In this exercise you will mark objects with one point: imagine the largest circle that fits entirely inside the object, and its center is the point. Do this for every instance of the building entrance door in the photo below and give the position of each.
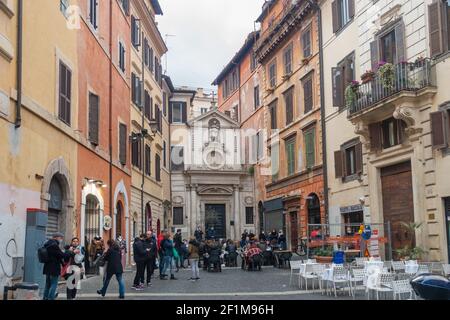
(215, 217)
(294, 230)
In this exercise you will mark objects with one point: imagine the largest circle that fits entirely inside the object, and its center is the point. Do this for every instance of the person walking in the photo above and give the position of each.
(114, 267)
(76, 267)
(52, 268)
(194, 256)
(160, 252)
(123, 249)
(149, 245)
(139, 254)
(167, 250)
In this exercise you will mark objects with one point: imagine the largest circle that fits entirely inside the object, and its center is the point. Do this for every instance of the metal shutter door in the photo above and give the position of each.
(53, 223)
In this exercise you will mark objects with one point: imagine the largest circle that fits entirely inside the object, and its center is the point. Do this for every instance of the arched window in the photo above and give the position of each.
(119, 217)
(54, 207)
(92, 219)
(313, 209)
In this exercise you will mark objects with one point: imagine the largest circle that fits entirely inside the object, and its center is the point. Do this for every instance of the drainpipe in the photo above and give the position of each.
(322, 109)
(18, 122)
(111, 210)
(144, 225)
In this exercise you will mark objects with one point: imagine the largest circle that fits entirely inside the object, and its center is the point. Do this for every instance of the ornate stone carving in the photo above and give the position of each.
(363, 130)
(215, 190)
(249, 200)
(177, 200)
(408, 115)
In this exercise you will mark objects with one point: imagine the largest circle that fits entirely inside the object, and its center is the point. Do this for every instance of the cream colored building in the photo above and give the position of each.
(39, 153)
(398, 172)
(150, 190)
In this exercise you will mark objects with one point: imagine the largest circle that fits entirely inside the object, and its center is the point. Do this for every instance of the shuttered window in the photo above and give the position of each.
(65, 92)
(290, 156)
(135, 32)
(289, 105)
(164, 154)
(136, 90)
(148, 161)
(147, 104)
(93, 13)
(273, 115)
(288, 60)
(308, 93)
(439, 134)
(343, 11)
(178, 215)
(158, 118)
(439, 27)
(93, 118)
(339, 164)
(178, 112)
(375, 136)
(158, 167)
(146, 52)
(306, 43)
(342, 76)
(136, 151)
(389, 46)
(125, 6)
(275, 161)
(122, 61)
(310, 147)
(256, 96)
(165, 104)
(123, 144)
(273, 74)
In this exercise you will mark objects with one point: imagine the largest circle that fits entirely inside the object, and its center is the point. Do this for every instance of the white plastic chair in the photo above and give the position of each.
(295, 265)
(309, 274)
(401, 287)
(319, 270)
(360, 261)
(423, 268)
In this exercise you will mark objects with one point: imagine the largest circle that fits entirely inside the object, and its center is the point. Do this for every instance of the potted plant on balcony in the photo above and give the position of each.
(386, 73)
(324, 255)
(351, 93)
(367, 76)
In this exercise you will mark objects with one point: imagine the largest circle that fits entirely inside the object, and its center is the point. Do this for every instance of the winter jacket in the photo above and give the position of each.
(198, 234)
(177, 240)
(167, 247)
(114, 258)
(149, 244)
(139, 251)
(193, 250)
(56, 257)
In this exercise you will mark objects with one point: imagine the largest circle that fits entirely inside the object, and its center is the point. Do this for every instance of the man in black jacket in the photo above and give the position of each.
(139, 254)
(150, 255)
(52, 268)
(178, 241)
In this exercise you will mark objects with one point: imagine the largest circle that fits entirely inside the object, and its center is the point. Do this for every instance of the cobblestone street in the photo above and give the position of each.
(230, 284)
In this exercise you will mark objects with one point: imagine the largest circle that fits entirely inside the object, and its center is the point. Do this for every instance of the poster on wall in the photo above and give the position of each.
(374, 244)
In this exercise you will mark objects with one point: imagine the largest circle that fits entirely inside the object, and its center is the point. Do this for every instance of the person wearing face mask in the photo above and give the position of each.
(76, 267)
(52, 268)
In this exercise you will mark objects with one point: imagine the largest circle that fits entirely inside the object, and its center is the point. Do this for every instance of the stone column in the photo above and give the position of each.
(237, 212)
(194, 209)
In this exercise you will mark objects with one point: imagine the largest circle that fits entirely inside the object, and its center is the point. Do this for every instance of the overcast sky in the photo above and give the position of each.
(206, 35)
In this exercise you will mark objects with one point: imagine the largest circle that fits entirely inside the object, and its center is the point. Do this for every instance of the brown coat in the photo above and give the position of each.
(193, 251)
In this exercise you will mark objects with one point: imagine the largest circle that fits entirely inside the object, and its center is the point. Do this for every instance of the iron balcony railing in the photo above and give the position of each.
(406, 77)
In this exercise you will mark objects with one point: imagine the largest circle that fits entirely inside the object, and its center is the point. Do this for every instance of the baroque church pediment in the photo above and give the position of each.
(215, 190)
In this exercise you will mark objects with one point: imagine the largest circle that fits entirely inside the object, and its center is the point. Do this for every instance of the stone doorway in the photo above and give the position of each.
(215, 216)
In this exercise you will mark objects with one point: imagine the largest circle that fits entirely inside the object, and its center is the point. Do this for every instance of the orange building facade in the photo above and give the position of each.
(279, 70)
(104, 176)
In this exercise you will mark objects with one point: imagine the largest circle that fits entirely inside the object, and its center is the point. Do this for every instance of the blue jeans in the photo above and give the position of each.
(119, 280)
(51, 284)
(167, 264)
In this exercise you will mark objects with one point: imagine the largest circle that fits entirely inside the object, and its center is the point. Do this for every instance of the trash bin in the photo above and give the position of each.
(24, 291)
(431, 287)
(338, 257)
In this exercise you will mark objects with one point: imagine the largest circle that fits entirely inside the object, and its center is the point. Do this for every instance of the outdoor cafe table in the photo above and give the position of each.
(277, 254)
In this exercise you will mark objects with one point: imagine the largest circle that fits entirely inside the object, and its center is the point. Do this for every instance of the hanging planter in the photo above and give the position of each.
(386, 73)
(367, 76)
(351, 93)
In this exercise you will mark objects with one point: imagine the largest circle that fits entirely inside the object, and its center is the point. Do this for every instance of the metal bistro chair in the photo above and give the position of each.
(398, 266)
(356, 276)
(384, 283)
(446, 270)
(340, 276)
(401, 287)
(295, 265)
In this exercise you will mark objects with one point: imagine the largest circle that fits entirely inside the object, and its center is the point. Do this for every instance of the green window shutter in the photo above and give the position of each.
(310, 148)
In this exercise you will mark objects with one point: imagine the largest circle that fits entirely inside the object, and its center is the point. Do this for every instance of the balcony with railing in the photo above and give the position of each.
(404, 78)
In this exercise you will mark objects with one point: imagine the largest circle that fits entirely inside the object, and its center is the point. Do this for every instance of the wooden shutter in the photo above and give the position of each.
(358, 158)
(375, 136)
(439, 138)
(351, 8)
(436, 28)
(339, 164)
(170, 111)
(65, 82)
(289, 106)
(147, 160)
(273, 116)
(123, 144)
(338, 86)
(400, 42)
(349, 74)
(93, 118)
(310, 148)
(158, 167)
(308, 94)
(336, 16)
(147, 105)
(184, 112)
(374, 54)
